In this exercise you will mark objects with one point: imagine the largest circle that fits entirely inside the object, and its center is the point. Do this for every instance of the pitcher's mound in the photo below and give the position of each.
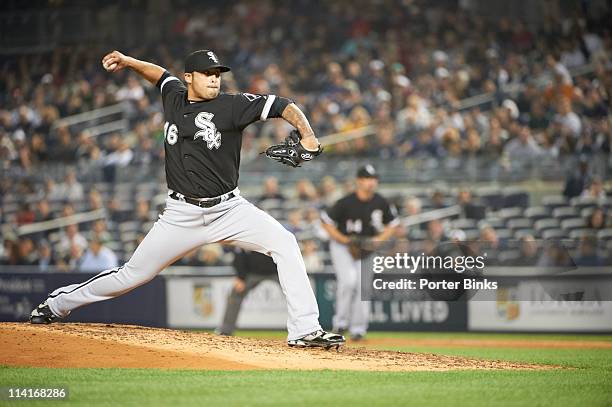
(126, 346)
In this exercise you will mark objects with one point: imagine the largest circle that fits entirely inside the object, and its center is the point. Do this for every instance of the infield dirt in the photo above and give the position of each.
(73, 345)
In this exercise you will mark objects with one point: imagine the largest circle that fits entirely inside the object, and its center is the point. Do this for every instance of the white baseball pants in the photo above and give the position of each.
(183, 227)
(351, 312)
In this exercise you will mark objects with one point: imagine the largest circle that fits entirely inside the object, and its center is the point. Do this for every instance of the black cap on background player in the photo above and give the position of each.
(367, 171)
(203, 60)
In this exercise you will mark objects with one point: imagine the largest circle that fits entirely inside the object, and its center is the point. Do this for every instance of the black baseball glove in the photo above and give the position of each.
(291, 151)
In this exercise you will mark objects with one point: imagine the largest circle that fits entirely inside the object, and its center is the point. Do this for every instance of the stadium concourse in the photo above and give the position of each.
(509, 122)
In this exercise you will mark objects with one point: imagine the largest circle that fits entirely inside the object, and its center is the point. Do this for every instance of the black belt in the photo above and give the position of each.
(207, 203)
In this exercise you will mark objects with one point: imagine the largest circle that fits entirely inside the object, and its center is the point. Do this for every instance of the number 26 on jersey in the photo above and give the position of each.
(171, 133)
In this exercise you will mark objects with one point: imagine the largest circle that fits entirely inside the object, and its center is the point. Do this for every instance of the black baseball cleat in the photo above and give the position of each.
(319, 339)
(357, 337)
(42, 314)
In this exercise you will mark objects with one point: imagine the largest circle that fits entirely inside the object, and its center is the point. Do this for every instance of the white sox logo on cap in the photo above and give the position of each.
(212, 56)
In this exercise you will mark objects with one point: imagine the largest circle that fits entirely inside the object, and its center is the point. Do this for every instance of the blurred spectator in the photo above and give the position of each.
(305, 190)
(435, 231)
(294, 221)
(595, 191)
(189, 259)
(529, 251)
(311, 256)
(10, 253)
(116, 213)
(437, 200)
(328, 190)
(312, 224)
(490, 244)
(412, 206)
(94, 200)
(45, 258)
(97, 258)
(271, 194)
(100, 233)
(141, 212)
(210, 255)
(597, 219)
(578, 180)
(25, 214)
(43, 211)
(555, 255)
(71, 259)
(523, 150)
(70, 237)
(567, 119)
(71, 189)
(52, 191)
(587, 253)
(67, 209)
(252, 268)
(26, 252)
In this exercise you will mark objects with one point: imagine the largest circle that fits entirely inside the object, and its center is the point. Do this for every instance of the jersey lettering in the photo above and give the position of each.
(209, 132)
(354, 226)
(377, 219)
(171, 133)
(250, 97)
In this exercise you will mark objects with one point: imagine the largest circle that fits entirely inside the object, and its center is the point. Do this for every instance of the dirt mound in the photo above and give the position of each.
(100, 345)
(490, 343)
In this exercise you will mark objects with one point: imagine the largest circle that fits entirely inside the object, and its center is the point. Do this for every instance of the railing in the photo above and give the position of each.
(513, 90)
(97, 122)
(60, 222)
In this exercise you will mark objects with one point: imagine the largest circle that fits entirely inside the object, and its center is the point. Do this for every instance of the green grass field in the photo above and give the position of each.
(585, 379)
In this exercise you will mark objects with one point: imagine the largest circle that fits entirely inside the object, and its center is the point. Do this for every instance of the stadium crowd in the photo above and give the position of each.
(410, 69)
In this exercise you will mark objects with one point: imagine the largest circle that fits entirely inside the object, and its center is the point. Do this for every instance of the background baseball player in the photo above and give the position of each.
(353, 223)
(252, 268)
(203, 135)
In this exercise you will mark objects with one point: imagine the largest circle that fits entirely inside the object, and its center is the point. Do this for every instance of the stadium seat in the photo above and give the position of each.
(573, 223)
(503, 233)
(553, 234)
(566, 212)
(519, 233)
(605, 234)
(475, 211)
(509, 213)
(536, 213)
(516, 198)
(554, 201)
(586, 212)
(519, 223)
(129, 226)
(494, 201)
(508, 257)
(463, 223)
(581, 203)
(579, 233)
(494, 222)
(471, 234)
(544, 224)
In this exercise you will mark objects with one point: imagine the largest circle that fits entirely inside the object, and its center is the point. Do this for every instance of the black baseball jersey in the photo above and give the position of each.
(364, 218)
(203, 139)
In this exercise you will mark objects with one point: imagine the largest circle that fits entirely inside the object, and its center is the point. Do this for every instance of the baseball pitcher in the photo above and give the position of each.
(203, 136)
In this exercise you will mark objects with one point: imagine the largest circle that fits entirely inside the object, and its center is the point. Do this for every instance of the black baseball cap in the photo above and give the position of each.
(203, 60)
(367, 171)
